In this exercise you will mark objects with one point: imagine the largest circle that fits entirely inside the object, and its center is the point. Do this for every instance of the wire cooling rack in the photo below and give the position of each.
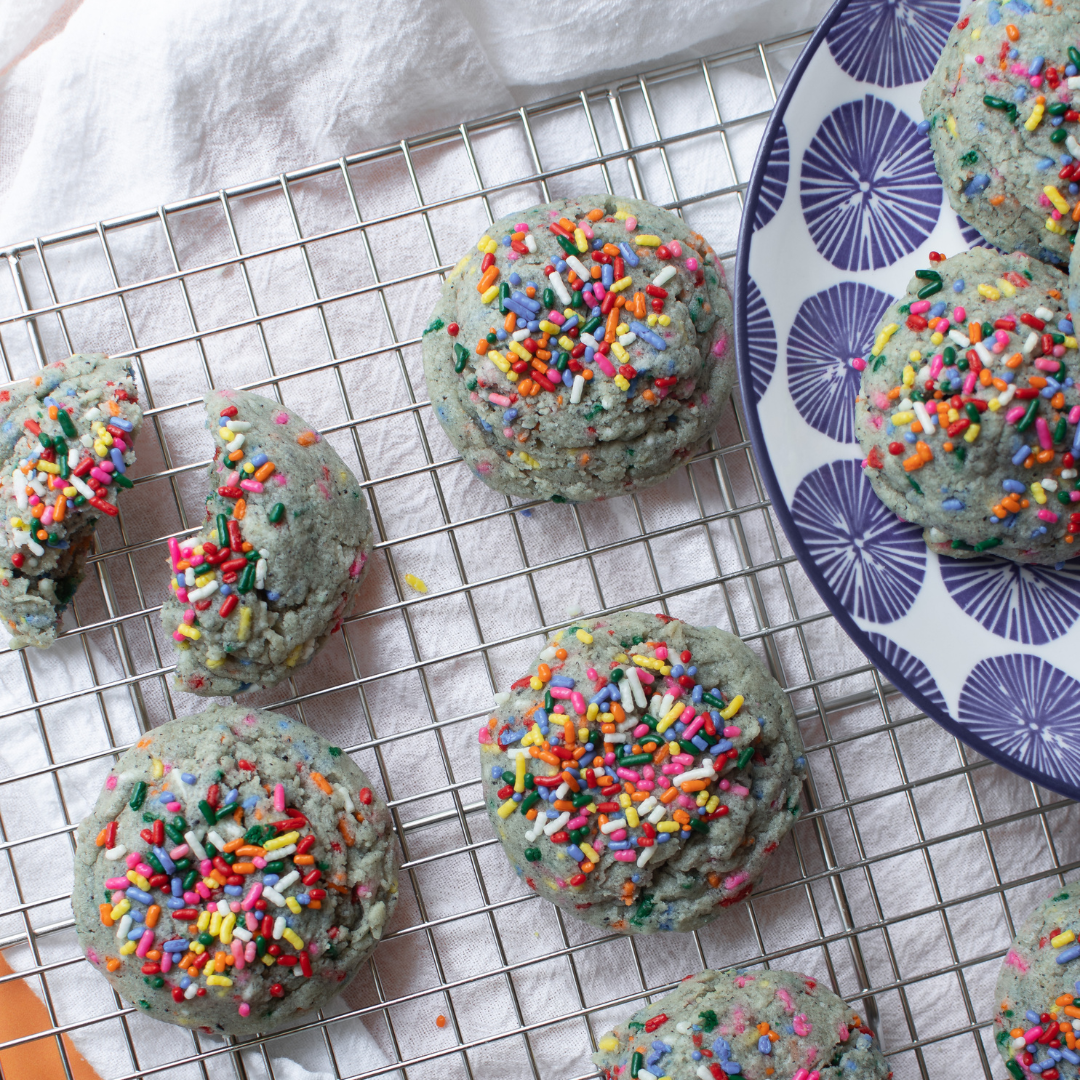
(914, 860)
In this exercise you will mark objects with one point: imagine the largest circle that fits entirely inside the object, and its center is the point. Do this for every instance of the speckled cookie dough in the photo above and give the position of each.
(756, 1025)
(1036, 1023)
(585, 349)
(236, 871)
(968, 414)
(1002, 123)
(277, 565)
(642, 772)
(65, 445)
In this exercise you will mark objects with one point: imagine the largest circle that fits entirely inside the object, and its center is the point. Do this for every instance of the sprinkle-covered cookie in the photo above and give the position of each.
(278, 563)
(584, 349)
(1037, 1021)
(1003, 122)
(236, 871)
(642, 772)
(66, 438)
(752, 1025)
(968, 413)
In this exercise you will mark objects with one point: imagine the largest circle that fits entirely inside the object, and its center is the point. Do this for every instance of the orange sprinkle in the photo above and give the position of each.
(561, 654)
(912, 463)
(152, 913)
(240, 509)
(105, 910)
(1012, 33)
(60, 508)
(99, 840)
(1037, 381)
(218, 876)
(346, 832)
(611, 324)
(307, 438)
(681, 816)
(595, 271)
(264, 472)
(571, 780)
(440, 1020)
(544, 672)
(487, 279)
(595, 215)
(321, 783)
(670, 795)
(996, 200)
(587, 374)
(694, 785)
(974, 332)
(530, 291)
(236, 455)
(1056, 402)
(947, 447)
(112, 963)
(482, 345)
(985, 378)
(250, 850)
(1014, 361)
(244, 867)
(300, 860)
(1043, 456)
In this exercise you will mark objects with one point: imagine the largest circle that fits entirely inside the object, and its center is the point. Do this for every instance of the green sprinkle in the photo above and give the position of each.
(1029, 417)
(175, 834)
(247, 582)
(1059, 108)
(152, 859)
(972, 413)
(66, 425)
(996, 102)
(549, 299)
(637, 1060)
(911, 481)
(570, 249)
(989, 542)
(558, 498)
(144, 1004)
(205, 938)
(462, 357)
(697, 825)
(708, 1020)
(576, 299)
(275, 867)
(532, 854)
(592, 324)
(745, 754)
(948, 354)
(644, 909)
(637, 759)
(138, 795)
(335, 751)
(1014, 1070)
(222, 531)
(929, 289)
(504, 295)
(261, 945)
(928, 275)
(190, 879)
(208, 812)
(435, 324)
(582, 799)
(1060, 430)
(1059, 136)
(277, 512)
(961, 545)
(530, 801)
(1074, 56)
(877, 361)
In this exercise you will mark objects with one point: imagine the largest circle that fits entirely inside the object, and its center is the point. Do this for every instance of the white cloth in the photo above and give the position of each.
(113, 106)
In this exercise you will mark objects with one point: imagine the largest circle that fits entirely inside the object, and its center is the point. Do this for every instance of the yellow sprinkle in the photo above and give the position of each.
(293, 938)
(415, 583)
(227, 925)
(519, 773)
(672, 715)
(243, 631)
(592, 711)
(993, 404)
(218, 980)
(70, 492)
(536, 683)
(157, 770)
(566, 342)
(548, 327)
(204, 579)
(101, 449)
(128, 948)
(653, 319)
(619, 351)
(951, 125)
(1070, 341)
(281, 841)
(972, 433)
(581, 241)
(589, 852)
(138, 880)
(203, 920)
(936, 338)
(605, 718)
(507, 808)
(482, 243)
(668, 826)
(622, 328)
(909, 375)
(622, 284)
(294, 905)
(902, 418)
(529, 460)
(49, 467)
(1055, 226)
(702, 798)
(190, 631)
(632, 818)
(883, 337)
(491, 247)
(196, 947)
(647, 240)
(225, 433)
(989, 292)
(489, 294)
(976, 33)
(213, 664)
(583, 732)
(621, 382)
(712, 804)
(1039, 493)
(498, 360)
(914, 356)
(733, 707)
(584, 637)
(518, 350)
(215, 923)
(625, 800)
(647, 662)
(1007, 287)
(664, 320)
(1032, 122)
(1062, 939)
(608, 1043)
(621, 215)
(121, 909)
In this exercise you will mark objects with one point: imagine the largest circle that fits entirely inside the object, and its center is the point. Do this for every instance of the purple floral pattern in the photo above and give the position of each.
(1029, 604)
(871, 560)
(760, 343)
(891, 42)
(830, 328)
(910, 667)
(869, 191)
(1028, 709)
(774, 180)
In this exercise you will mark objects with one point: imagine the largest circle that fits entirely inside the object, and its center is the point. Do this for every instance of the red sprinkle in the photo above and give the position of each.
(227, 605)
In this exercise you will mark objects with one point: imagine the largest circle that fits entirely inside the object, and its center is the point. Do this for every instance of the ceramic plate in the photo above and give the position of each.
(843, 206)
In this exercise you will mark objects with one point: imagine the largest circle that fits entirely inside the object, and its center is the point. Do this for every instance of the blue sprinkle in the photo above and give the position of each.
(1045, 163)
(1057, 121)
(628, 254)
(958, 285)
(1014, 486)
(117, 459)
(923, 127)
(138, 915)
(763, 1045)
(562, 680)
(506, 241)
(1021, 455)
(1036, 65)
(1070, 70)
(993, 15)
(271, 595)
(496, 772)
(509, 414)
(176, 886)
(938, 310)
(575, 853)
(952, 504)
(721, 1048)
(271, 879)
(250, 802)
(501, 334)
(231, 797)
(977, 185)
(176, 945)
(166, 797)
(1067, 955)
(136, 933)
(175, 903)
(163, 857)
(607, 275)
(1033, 1017)
(1073, 187)
(259, 459)
(1019, 94)
(132, 893)
(120, 422)
(234, 890)
(1071, 1056)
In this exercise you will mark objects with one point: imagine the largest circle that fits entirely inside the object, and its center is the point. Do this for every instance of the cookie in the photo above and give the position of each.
(750, 1024)
(1003, 124)
(236, 871)
(968, 413)
(642, 772)
(585, 349)
(1035, 1022)
(66, 440)
(278, 563)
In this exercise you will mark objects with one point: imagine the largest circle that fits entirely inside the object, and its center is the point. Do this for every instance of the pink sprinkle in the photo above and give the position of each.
(920, 306)
(279, 798)
(166, 963)
(118, 895)
(259, 861)
(191, 898)
(720, 346)
(92, 956)
(485, 735)
(499, 399)
(1074, 414)
(646, 785)
(641, 729)
(631, 223)
(252, 485)
(784, 995)
(692, 730)
(1036, 81)
(521, 227)
(560, 693)
(174, 551)
(243, 1008)
(959, 314)
(281, 418)
(556, 317)
(624, 856)
(858, 363)
(738, 789)
(132, 859)
(179, 852)
(576, 822)
(691, 264)
(735, 880)
(618, 835)
(732, 732)
(249, 950)
(674, 247)
(205, 867)
(237, 947)
(628, 774)
(189, 616)
(802, 1026)
(647, 678)
(578, 702)
(144, 944)
(1058, 350)
(202, 890)
(1014, 414)
(586, 228)
(1046, 440)
(969, 382)
(590, 297)
(1013, 959)
(117, 883)
(591, 674)
(980, 58)
(173, 807)
(251, 921)
(251, 719)
(110, 781)
(599, 292)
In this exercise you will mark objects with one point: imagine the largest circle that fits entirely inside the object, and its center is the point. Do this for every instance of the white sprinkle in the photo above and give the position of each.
(665, 706)
(562, 791)
(924, 419)
(191, 991)
(235, 445)
(664, 276)
(559, 286)
(616, 737)
(635, 686)
(548, 654)
(614, 825)
(1050, 485)
(1068, 474)
(1030, 342)
(1074, 84)
(985, 355)
(627, 339)
(260, 574)
(195, 845)
(215, 839)
(238, 425)
(1044, 313)
(576, 389)
(223, 907)
(578, 267)
(588, 339)
(703, 1071)
(281, 852)
(530, 242)
(1006, 395)
(242, 934)
(521, 335)
(647, 806)
(117, 851)
(961, 339)
(346, 800)
(642, 859)
(201, 594)
(123, 926)
(18, 478)
(279, 924)
(657, 815)
(73, 458)
(550, 829)
(290, 878)
(275, 898)
(83, 489)
(501, 698)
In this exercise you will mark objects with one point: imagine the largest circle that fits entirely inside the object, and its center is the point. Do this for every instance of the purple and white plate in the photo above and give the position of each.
(843, 206)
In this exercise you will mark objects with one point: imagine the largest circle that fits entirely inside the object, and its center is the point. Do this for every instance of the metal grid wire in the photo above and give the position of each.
(899, 883)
